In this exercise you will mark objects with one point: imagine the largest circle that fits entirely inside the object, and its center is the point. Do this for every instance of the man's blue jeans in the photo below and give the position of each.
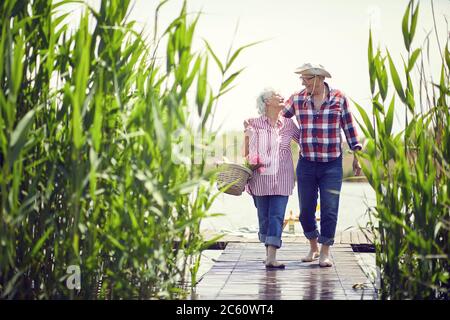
(326, 178)
(271, 210)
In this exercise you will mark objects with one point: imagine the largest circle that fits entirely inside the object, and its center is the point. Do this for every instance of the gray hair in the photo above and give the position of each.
(261, 100)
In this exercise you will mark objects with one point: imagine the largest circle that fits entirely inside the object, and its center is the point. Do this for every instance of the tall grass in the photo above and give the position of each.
(89, 122)
(410, 170)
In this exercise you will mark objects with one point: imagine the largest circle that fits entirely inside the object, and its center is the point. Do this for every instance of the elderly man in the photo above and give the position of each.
(321, 112)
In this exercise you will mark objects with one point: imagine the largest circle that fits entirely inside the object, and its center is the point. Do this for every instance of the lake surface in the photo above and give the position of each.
(240, 215)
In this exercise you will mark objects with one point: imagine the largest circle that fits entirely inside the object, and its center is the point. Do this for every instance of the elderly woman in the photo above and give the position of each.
(268, 147)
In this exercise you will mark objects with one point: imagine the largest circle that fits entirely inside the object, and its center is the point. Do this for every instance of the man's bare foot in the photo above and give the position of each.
(324, 261)
(311, 256)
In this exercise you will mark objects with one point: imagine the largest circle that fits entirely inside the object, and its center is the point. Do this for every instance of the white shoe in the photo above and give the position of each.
(312, 255)
(324, 261)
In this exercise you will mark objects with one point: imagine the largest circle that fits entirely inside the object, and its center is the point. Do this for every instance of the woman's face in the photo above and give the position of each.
(275, 101)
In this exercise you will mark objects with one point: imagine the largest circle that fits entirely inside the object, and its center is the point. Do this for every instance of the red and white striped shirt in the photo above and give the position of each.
(272, 145)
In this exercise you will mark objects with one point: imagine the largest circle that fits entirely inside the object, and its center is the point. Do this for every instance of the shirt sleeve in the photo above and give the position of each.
(348, 126)
(295, 132)
(249, 129)
(248, 134)
(252, 143)
(289, 109)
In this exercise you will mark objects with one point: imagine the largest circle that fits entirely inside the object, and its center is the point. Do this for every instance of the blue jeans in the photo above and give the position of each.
(326, 178)
(271, 211)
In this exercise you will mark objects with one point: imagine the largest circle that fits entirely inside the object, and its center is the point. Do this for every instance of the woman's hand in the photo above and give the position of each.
(254, 167)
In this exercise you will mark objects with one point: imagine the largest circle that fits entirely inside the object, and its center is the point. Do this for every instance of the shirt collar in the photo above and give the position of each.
(329, 90)
(279, 122)
(328, 95)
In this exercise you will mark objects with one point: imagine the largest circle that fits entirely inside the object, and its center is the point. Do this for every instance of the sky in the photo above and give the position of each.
(332, 33)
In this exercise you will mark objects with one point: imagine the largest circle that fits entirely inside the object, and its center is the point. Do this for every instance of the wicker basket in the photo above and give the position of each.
(235, 174)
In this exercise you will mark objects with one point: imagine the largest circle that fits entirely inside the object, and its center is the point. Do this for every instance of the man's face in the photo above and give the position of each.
(311, 83)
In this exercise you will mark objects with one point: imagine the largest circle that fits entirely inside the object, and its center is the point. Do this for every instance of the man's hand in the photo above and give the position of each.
(356, 167)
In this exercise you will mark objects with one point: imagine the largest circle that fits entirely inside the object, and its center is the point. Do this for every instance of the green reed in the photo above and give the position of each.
(89, 122)
(409, 171)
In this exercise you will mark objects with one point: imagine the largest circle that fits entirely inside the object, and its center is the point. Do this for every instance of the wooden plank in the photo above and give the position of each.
(345, 237)
(338, 237)
(239, 273)
(342, 237)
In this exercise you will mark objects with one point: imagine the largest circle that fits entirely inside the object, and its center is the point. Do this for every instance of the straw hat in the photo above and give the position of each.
(313, 69)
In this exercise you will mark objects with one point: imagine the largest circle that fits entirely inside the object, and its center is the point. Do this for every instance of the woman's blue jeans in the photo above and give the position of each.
(326, 178)
(271, 210)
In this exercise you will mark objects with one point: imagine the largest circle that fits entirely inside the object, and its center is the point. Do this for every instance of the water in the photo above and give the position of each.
(240, 213)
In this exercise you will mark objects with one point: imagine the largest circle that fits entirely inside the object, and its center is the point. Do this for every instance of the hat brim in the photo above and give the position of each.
(313, 72)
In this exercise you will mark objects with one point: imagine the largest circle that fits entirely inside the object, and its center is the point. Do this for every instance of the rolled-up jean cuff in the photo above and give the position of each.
(262, 237)
(273, 241)
(312, 235)
(326, 241)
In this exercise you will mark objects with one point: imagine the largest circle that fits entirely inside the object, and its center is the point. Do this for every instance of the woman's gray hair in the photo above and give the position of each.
(261, 100)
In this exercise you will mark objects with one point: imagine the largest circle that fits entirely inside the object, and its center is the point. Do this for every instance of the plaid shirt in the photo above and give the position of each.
(320, 131)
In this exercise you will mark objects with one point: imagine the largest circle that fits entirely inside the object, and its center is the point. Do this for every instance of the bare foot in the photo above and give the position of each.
(324, 261)
(312, 255)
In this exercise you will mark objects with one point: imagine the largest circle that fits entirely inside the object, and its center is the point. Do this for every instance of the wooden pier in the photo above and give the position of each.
(240, 274)
(352, 236)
